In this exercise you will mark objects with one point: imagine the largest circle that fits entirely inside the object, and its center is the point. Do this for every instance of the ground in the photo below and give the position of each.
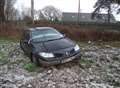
(99, 67)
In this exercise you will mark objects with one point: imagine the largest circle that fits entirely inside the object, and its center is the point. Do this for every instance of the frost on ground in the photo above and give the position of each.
(97, 68)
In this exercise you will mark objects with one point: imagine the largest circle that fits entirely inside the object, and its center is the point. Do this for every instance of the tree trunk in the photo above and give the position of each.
(2, 12)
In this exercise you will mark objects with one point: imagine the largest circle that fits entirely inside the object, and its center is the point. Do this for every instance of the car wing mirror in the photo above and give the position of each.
(29, 41)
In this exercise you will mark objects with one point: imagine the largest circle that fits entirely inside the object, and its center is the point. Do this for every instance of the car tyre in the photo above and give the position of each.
(35, 60)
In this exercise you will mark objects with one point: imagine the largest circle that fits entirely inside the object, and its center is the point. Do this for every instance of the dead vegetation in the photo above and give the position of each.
(74, 31)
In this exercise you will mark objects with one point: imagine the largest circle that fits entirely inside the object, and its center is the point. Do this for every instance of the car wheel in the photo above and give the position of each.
(31, 59)
(35, 60)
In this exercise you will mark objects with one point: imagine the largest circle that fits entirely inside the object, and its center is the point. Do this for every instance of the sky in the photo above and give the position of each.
(63, 5)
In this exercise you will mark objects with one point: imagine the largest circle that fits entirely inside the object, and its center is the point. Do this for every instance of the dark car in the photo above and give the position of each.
(47, 46)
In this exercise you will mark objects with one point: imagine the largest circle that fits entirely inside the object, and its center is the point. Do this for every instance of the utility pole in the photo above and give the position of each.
(32, 10)
(78, 11)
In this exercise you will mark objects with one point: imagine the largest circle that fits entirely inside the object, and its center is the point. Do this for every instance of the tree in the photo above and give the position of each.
(10, 11)
(6, 9)
(26, 12)
(109, 5)
(14, 15)
(26, 15)
(51, 13)
(40, 15)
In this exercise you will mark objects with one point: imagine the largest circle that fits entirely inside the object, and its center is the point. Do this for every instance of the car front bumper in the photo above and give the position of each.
(59, 60)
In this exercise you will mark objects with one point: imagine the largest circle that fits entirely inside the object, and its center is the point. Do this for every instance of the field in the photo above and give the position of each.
(98, 67)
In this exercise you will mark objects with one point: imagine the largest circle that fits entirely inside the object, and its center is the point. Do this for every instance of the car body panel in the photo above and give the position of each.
(58, 44)
(59, 60)
(55, 45)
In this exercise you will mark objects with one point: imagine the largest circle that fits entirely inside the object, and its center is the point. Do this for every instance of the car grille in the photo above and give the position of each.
(58, 55)
(65, 54)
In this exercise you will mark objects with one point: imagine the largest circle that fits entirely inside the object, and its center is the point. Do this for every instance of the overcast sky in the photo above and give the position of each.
(63, 5)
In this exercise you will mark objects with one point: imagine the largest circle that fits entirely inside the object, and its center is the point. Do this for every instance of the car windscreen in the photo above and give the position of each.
(45, 35)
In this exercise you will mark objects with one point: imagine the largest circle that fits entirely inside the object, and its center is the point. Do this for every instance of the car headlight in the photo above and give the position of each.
(46, 55)
(76, 48)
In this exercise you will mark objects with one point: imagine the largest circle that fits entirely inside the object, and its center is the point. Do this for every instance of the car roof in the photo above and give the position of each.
(38, 28)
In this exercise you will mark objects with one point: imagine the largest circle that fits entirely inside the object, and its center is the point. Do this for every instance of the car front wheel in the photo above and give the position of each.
(35, 60)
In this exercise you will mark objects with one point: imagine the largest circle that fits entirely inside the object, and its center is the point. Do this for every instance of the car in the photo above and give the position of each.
(46, 46)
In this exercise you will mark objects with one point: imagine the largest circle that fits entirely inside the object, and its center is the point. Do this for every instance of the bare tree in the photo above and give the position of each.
(26, 15)
(26, 12)
(40, 15)
(15, 15)
(6, 9)
(51, 13)
(9, 9)
(109, 5)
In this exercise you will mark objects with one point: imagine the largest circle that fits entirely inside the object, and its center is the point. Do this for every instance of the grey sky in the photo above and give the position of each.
(63, 5)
